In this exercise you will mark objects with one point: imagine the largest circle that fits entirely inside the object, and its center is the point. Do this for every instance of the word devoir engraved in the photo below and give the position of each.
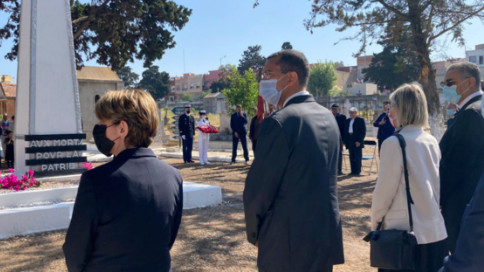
(56, 154)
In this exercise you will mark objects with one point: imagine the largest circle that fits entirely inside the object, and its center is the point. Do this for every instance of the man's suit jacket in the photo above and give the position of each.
(359, 132)
(186, 125)
(290, 195)
(470, 245)
(126, 215)
(238, 123)
(461, 165)
(341, 121)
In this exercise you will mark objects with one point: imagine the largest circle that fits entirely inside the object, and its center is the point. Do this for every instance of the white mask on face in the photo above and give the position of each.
(268, 91)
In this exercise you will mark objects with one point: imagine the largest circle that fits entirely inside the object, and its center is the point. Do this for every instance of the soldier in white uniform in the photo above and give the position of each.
(203, 138)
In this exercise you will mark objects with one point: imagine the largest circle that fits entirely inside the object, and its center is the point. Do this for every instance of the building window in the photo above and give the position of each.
(481, 60)
(472, 59)
(198, 86)
(96, 98)
(185, 86)
(178, 87)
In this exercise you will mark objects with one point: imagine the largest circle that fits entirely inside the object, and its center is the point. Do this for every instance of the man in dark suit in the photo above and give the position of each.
(341, 121)
(290, 196)
(238, 121)
(470, 245)
(462, 160)
(385, 127)
(355, 137)
(186, 126)
(254, 130)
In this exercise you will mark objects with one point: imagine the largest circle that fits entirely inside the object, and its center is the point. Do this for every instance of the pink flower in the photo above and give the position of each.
(31, 173)
(87, 165)
(11, 170)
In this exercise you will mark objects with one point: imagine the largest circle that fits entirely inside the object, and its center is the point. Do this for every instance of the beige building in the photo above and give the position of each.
(187, 84)
(93, 83)
(8, 94)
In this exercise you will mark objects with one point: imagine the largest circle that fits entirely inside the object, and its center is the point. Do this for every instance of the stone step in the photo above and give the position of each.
(35, 211)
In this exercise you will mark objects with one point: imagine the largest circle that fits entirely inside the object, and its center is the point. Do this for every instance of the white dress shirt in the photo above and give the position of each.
(389, 196)
(461, 104)
(350, 129)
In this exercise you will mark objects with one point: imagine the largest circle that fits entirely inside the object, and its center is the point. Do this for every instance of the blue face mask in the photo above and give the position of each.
(269, 92)
(450, 94)
(450, 112)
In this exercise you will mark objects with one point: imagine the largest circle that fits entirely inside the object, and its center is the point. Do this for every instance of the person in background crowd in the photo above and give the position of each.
(462, 145)
(127, 211)
(203, 138)
(5, 125)
(341, 120)
(409, 113)
(12, 123)
(355, 137)
(290, 197)
(9, 159)
(238, 121)
(254, 130)
(385, 128)
(186, 126)
(467, 256)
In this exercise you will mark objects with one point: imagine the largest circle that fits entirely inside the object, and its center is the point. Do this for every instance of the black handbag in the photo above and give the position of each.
(394, 249)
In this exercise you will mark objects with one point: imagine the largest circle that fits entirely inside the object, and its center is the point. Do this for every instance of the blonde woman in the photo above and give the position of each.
(409, 115)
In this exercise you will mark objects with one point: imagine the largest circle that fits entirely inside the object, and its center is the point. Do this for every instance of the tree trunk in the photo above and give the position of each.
(427, 74)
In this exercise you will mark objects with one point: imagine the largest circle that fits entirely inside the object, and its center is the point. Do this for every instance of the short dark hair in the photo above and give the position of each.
(293, 61)
(335, 106)
(386, 102)
(467, 70)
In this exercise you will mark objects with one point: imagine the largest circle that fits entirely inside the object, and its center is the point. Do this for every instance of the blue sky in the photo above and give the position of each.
(219, 28)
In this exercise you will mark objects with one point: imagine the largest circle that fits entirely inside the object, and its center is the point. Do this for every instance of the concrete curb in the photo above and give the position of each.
(29, 212)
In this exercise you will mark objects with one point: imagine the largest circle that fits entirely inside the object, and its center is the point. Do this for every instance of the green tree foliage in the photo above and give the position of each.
(251, 59)
(322, 79)
(425, 20)
(219, 85)
(243, 90)
(112, 31)
(286, 45)
(128, 77)
(158, 84)
(338, 64)
(392, 67)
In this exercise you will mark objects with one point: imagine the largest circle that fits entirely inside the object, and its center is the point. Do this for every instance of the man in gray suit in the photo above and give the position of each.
(290, 196)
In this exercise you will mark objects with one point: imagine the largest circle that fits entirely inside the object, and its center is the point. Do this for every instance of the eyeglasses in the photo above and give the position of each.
(450, 82)
(269, 74)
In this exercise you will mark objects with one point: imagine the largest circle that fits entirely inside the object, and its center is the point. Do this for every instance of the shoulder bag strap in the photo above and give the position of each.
(401, 140)
(407, 183)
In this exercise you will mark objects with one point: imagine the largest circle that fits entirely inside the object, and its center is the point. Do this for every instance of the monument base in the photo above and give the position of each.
(35, 211)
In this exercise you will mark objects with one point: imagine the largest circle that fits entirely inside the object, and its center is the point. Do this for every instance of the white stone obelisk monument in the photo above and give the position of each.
(48, 132)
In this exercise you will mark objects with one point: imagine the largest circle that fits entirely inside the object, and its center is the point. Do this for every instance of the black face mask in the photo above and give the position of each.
(103, 144)
(187, 111)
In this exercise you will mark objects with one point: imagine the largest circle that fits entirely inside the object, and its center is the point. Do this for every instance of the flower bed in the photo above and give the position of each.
(12, 182)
